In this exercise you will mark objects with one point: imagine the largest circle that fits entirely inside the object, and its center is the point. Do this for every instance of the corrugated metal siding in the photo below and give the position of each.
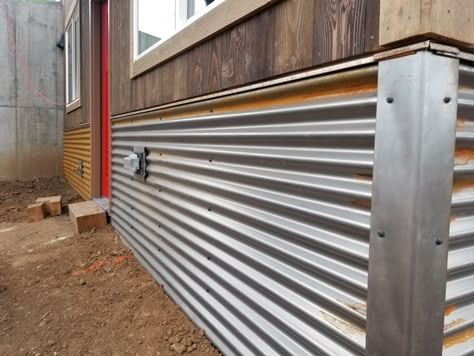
(459, 313)
(257, 222)
(77, 146)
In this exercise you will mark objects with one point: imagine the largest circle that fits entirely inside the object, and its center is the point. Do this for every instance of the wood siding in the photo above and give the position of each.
(77, 147)
(289, 36)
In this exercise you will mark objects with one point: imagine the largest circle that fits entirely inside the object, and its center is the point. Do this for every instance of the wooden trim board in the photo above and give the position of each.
(451, 20)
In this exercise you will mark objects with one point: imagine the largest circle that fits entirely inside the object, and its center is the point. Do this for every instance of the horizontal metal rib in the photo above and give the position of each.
(459, 319)
(257, 222)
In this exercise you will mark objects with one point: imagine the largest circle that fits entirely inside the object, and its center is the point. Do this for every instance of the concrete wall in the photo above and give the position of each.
(31, 128)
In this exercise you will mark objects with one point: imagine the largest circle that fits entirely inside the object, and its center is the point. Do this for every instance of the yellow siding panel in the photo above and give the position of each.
(77, 147)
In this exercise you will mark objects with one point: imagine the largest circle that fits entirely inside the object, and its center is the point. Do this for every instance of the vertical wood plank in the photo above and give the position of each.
(340, 29)
(153, 87)
(181, 77)
(214, 68)
(233, 56)
(293, 35)
(119, 37)
(287, 36)
(372, 20)
(198, 73)
(167, 82)
(259, 46)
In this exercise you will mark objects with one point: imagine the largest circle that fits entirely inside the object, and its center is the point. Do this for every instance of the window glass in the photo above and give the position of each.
(157, 20)
(69, 56)
(72, 58)
(195, 6)
(76, 58)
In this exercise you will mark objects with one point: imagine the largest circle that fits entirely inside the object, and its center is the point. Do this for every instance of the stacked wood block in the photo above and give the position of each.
(43, 207)
(53, 204)
(36, 211)
(87, 216)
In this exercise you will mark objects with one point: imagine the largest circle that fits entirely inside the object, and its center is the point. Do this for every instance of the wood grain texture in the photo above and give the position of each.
(227, 14)
(293, 35)
(340, 28)
(232, 44)
(372, 22)
(259, 46)
(283, 38)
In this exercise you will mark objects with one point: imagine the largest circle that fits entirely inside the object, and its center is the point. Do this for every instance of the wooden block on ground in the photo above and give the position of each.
(53, 204)
(86, 216)
(36, 211)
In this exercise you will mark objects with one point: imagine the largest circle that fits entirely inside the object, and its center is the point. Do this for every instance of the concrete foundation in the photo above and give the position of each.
(30, 127)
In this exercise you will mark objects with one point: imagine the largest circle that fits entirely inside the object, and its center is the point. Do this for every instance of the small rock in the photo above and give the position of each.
(169, 332)
(189, 349)
(194, 346)
(38, 354)
(188, 341)
(179, 348)
(175, 339)
(3, 288)
(81, 282)
(108, 269)
(201, 333)
(51, 342)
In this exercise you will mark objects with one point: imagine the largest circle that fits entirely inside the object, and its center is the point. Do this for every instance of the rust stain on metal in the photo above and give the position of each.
(258, 101)
(343, 83)
(458, 338)
(297, 97)
(360, 308)
(362, 176)
(344, 326)
(449, 308)
(463, 155)
(460, 124)
(453, 323)
(452, 218)
(461, 184)
(364, 203)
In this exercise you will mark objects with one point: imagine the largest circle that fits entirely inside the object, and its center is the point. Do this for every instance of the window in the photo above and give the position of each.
(158, 20)
(73, 57)
(161, 29)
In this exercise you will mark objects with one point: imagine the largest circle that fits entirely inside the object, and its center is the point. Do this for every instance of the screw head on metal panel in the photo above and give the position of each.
(447, 99)
(381, 234)
(439, 241)
(389, 100)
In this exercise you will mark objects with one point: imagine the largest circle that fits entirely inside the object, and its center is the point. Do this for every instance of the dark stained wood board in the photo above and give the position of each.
(289, 36)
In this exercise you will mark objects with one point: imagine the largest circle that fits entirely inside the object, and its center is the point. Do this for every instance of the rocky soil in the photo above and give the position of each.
(63, 293)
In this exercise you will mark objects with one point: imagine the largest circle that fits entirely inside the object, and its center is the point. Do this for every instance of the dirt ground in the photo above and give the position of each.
(63, 293)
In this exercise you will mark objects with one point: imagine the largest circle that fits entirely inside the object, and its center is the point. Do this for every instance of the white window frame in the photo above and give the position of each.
(215, 18)
(181, 22)
(73, 22)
